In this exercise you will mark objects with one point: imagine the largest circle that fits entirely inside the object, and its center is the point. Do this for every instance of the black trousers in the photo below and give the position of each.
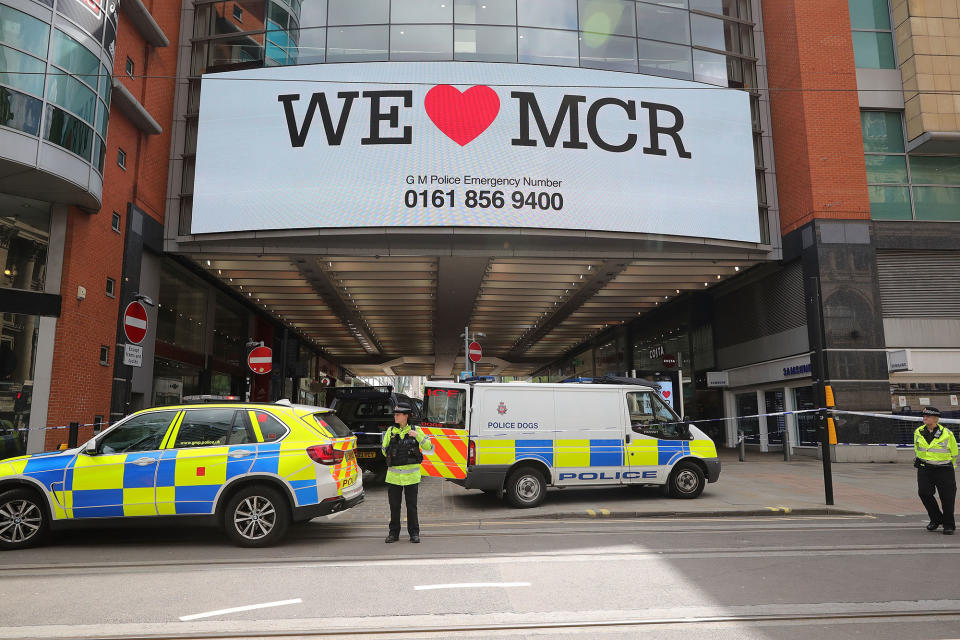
(944, 481)
(395, 493)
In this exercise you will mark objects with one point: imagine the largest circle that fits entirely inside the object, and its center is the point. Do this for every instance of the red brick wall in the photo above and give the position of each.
(82, 387)
(815, 111)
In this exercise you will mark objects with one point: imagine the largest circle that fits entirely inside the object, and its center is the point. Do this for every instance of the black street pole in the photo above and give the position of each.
(819, 361)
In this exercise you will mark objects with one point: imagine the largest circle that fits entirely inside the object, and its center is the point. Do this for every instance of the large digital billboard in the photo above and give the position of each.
(404, 144)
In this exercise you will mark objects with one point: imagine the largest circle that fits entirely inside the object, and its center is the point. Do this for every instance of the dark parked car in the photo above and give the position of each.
(368, 412)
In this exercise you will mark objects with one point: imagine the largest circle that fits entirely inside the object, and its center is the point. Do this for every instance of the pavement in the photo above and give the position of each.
(762, 484)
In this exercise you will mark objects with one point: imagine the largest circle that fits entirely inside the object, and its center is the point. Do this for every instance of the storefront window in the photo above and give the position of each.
(24, 235)
(18, 341)
(172, 380)
(611, 357)
(806, 422)
(181, 312)
(750, 427)
(230, 328)
(583, 364)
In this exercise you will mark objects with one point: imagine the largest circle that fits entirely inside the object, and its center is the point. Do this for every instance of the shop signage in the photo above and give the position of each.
(405, 144)
(135, 322)
(670, 360)
(133, 355)
(655, 352)
(260, 360)
(718, 379)
(797, 370)
(898, 360)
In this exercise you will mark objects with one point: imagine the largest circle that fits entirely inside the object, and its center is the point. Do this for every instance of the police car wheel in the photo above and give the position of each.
(23, 519)
(526, 488)
(686, 481)
(257, 516)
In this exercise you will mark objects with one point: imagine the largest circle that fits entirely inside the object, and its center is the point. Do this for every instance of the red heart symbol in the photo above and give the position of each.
(462, 116)
(666, 394)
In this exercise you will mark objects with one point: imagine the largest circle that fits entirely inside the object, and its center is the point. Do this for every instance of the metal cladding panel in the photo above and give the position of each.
(767, 307)
(919, 284)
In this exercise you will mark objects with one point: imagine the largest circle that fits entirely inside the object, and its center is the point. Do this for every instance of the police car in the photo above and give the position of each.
(252, 468)
(520, 438)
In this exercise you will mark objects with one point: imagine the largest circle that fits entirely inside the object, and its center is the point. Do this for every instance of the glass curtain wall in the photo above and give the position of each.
(76, 86)
(904, 186)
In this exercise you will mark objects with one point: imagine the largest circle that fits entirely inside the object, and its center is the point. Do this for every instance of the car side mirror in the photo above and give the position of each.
(90, 448)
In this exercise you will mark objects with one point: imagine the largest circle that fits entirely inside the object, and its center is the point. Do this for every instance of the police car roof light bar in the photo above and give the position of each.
(472, 379)
(202, 399)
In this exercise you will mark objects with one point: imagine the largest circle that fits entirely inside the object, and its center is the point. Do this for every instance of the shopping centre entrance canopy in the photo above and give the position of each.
(397, 304)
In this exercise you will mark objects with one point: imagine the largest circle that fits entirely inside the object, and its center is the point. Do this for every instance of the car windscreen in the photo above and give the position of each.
(443, 407)
(356, 410)
(329, 421)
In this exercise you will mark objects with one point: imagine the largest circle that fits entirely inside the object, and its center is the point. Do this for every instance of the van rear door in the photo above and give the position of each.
(444, 421)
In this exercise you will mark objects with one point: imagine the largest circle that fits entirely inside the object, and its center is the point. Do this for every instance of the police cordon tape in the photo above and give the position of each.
(102, 425)
(888, 416)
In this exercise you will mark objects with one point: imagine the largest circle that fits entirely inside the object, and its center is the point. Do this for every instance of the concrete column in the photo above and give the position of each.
(47, 332)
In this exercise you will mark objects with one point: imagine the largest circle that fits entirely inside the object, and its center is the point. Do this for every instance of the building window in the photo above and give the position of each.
(115, 222)
(111, 287)
(903, 186)
(104, 355)
(237, 13)
(872, 35)
(129, 67)
(122, 159)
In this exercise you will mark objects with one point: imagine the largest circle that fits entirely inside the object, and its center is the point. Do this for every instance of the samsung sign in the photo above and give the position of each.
(475, 145)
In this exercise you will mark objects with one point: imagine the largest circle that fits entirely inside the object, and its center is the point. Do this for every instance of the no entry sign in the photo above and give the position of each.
(260, 360)
(475, 352)
(135, 322)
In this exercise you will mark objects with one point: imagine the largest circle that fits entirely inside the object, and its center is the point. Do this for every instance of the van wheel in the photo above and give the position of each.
(526, 488)
(23, 519)
(686, 481)
(256, 516)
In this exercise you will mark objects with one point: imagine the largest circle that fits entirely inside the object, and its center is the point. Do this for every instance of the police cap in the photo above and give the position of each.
(401, 406)
(931, 411)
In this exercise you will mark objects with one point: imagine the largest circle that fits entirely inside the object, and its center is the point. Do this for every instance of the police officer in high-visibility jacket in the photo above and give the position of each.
(936, 450)
(404, 446)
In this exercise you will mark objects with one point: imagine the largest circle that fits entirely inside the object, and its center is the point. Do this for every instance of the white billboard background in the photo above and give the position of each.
(249, 176)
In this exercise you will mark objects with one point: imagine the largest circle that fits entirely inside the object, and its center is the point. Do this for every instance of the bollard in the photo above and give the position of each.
(743, 445)
(73, 433)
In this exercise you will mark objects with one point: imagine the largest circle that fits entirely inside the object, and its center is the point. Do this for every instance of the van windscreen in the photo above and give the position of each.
(443, 407)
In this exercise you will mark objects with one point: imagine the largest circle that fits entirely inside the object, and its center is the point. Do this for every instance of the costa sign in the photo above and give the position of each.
(466, 144)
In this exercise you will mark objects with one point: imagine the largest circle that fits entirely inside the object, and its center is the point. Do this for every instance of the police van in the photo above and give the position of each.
(520, 438)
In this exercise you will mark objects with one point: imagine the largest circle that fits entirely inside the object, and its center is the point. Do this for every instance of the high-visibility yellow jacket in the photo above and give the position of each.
(940, 451)
(407, 473)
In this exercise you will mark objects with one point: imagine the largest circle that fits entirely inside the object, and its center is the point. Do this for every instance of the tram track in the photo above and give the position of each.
(199, 564)
(399, 629)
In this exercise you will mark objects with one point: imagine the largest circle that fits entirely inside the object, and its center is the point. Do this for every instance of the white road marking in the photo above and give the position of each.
(249, 607)
(470, 585)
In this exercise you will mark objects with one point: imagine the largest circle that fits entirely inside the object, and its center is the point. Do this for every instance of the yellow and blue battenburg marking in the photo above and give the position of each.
(590, 452)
